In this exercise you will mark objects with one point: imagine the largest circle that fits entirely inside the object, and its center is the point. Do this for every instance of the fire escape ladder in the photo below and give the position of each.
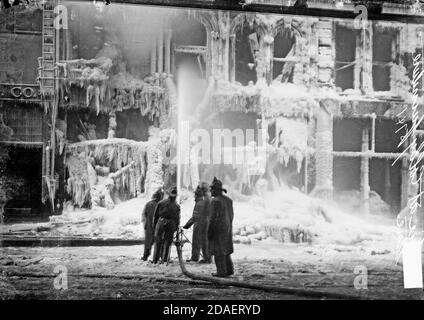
(47, 61)
(49, 85)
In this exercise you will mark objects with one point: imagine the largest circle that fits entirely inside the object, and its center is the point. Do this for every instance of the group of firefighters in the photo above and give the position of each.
(212, 221)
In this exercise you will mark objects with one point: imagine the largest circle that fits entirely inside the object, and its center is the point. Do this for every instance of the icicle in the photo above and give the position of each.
(70, 186)
(299, 159)
(111, 155)
(90, 89)
(148, 104)
(132, 97)
(97, 99)
(102, 92)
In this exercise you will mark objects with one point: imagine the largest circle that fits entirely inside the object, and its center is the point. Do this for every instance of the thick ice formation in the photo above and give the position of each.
(124, 168)
(291, 216)
(286, 215)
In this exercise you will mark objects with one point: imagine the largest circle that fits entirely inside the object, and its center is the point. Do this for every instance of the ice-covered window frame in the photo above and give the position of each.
(268, 48)
(365, 55)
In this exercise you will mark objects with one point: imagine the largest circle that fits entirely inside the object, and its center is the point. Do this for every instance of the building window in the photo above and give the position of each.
(247, 44)
(284, 61)
(189, 40)
(346, 63)
(383, 56)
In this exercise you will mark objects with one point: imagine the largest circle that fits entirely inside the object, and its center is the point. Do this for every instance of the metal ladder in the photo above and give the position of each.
(46, 63)
(48, 80)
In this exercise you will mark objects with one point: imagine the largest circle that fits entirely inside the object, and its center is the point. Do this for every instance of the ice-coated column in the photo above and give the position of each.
(324, 153)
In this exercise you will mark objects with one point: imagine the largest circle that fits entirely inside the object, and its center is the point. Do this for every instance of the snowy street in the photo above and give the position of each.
(349, 255)
(118, 273)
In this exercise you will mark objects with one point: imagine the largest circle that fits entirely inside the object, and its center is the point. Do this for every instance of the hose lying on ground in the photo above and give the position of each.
(249, 285)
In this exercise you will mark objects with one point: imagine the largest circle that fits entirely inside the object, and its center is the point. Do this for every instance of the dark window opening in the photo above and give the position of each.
(348, 134)
(186, 31)
(386, 181)
(385, 175)
(190, 49)
(382, 57)
(386, 137)
(86, 125)
(87, 38)
(189, 41)
(132, 125)
(246, 47)
(284, 43)
(345, 57)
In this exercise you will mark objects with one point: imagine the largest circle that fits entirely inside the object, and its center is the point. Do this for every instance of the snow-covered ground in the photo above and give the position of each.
(118, 272)
(286, 216)
(340, 243)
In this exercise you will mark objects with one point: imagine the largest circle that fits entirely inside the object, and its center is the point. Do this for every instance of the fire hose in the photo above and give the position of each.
(249, 285)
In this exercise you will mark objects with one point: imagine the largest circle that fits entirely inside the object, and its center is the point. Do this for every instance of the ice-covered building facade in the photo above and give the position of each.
(94, 102)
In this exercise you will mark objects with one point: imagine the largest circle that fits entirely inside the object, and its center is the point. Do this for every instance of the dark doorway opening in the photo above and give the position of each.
(23, 175)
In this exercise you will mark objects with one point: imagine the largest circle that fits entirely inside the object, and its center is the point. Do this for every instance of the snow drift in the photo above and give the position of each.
(286, 215)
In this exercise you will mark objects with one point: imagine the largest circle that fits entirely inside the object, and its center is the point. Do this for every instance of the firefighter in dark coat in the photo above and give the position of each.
(166, 220)
(200, 220)
(147, 220)
(220, 233)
